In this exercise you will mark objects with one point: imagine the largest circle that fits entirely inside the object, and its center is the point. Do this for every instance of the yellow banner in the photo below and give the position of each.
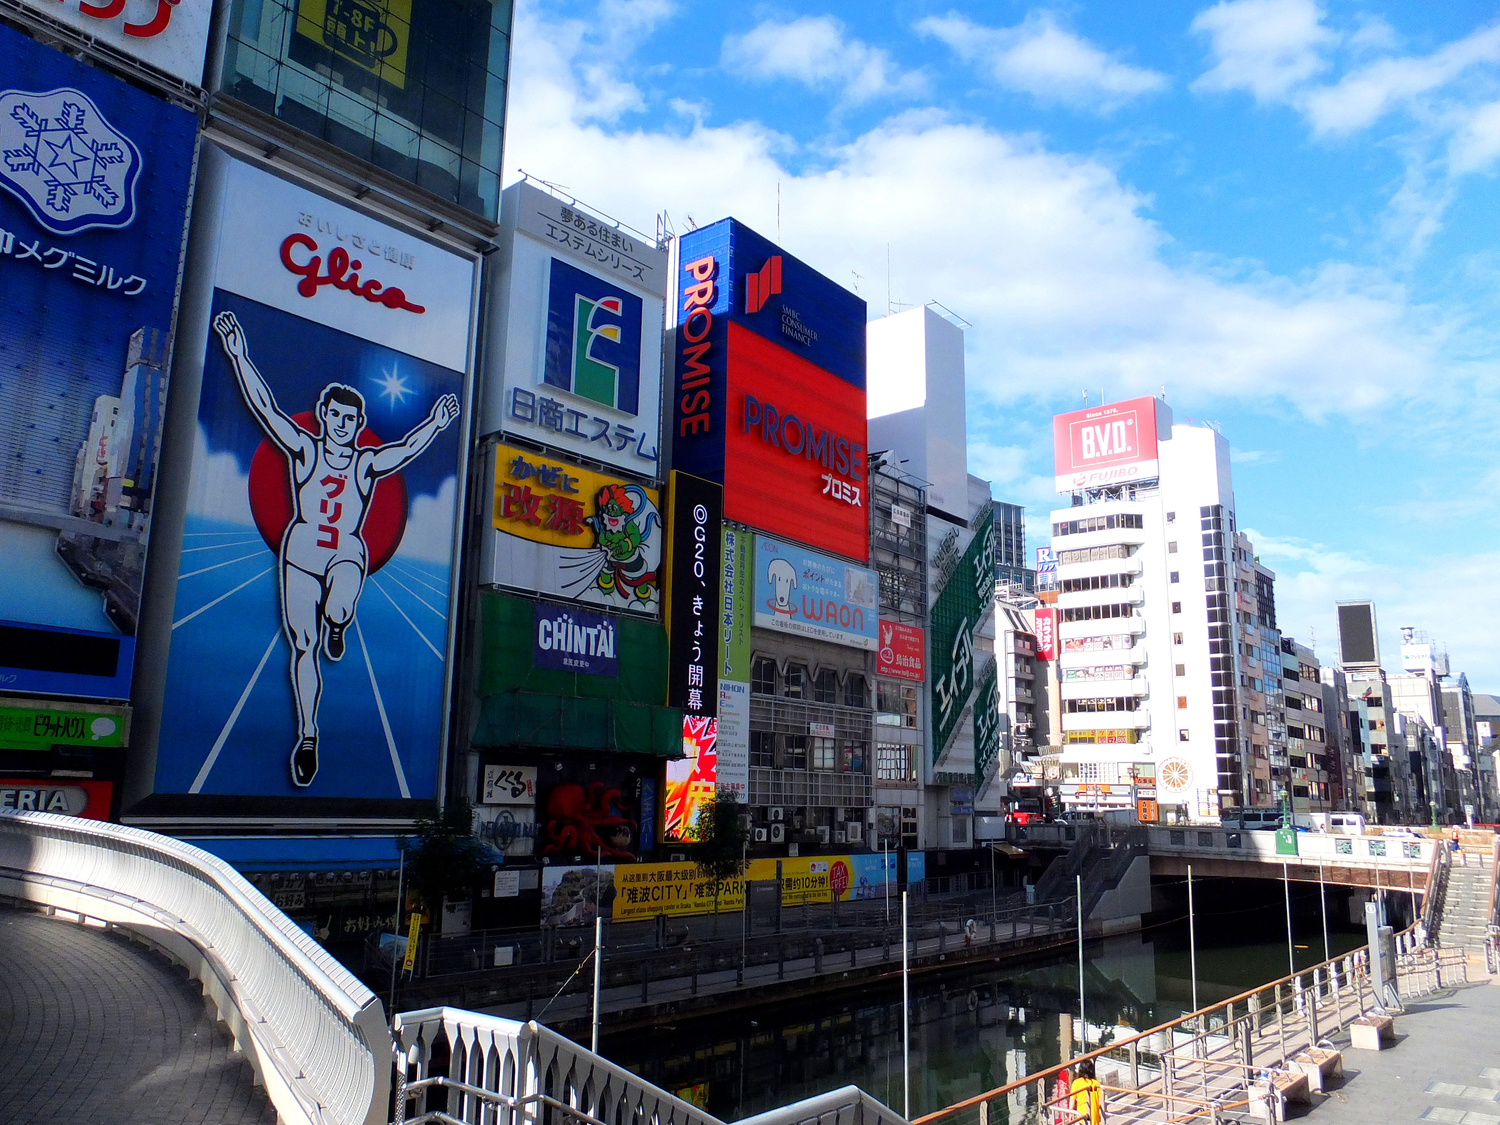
(549, 501)
(644, 890)
(372, 34)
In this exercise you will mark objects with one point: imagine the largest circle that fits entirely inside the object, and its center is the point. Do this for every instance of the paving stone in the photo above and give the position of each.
(94, 1028)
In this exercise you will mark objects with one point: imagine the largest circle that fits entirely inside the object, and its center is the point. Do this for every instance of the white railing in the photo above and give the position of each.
(846, 1106)
(459, 1066)
(1313, 848)
(316, 1037)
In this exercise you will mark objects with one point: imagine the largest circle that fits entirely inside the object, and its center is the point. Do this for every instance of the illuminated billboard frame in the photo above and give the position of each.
(1108, 445)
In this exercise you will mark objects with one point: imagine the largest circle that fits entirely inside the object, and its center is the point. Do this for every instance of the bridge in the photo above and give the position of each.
(304, 1040)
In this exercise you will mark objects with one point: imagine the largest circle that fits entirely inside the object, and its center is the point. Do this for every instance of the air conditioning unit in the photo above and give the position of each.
(823, 831)
(778, 832)
(760, 835)
(854, 832)
(775, 815)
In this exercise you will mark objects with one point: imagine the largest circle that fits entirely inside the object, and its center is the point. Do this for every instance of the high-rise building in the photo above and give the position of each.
(1311, 761)
(1015, 577)
(1150, 612)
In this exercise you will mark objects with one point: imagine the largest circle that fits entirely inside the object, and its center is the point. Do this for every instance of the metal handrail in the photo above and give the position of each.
(313, 1033)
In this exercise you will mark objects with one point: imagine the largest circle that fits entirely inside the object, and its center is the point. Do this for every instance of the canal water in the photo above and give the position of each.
(980, 1027)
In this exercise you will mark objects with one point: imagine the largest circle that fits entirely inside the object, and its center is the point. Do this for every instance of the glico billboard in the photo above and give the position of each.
(310, 638)
(768, 394)
(1105, 445)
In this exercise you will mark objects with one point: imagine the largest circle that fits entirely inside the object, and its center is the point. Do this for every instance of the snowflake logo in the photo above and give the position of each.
(62, 158)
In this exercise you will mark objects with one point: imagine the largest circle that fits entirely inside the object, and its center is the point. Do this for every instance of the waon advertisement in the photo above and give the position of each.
(310, 636)
(1105, 445)
(94, 187)
(769, 389)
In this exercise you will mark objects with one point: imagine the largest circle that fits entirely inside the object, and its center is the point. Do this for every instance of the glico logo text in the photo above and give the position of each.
(697, 322)
(342, 273)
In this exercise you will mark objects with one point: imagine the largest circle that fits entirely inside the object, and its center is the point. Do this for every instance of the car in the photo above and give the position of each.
(1399, 834)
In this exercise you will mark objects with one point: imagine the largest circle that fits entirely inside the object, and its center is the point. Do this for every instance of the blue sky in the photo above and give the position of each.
(1281, 211)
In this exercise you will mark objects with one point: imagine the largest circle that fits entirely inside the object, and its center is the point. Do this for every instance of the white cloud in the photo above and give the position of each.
(429, 526)
(1050, 256)
(1453, 597)
(1264, 46)
(220, 489)
(1363, 96)
(814, 51)
(1041, 58)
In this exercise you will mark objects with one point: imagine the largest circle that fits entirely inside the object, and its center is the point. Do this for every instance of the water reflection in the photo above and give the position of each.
(972, 1029)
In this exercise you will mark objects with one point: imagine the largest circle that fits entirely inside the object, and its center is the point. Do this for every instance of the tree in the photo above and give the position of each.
(444, 859)
(722, 836)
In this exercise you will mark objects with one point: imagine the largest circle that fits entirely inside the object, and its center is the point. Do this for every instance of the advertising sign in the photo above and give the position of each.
(508, 829)
(692, 780)
(797, 591)
(986, 726)
(579, 308)
(93, 194)
(168, 35)
(1046, 633)
(1046, 568)
(696, 586)
(590, 812)
(41, 728)
(509, 785)
(571, 533)
(1107, 445)
(574, 640)
(902, 651)
(769, 390)
(310, 635)
(735, 614)
(574, 896)
(67, 797)
(956, 615)
(734, 739)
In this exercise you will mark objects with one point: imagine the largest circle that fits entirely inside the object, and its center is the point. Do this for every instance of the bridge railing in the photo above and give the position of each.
(1313, 848)
(316, 1037)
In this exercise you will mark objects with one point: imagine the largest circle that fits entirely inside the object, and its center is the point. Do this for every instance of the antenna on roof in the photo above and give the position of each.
(1085, 398)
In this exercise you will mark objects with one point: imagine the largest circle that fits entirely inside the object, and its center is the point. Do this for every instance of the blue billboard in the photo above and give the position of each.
(310, 636)
(93, 197)
(801, 591)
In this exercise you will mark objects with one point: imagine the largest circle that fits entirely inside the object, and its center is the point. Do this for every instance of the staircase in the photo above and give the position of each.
(1463, 918)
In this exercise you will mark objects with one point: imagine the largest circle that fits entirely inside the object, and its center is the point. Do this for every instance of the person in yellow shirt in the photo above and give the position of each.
(1088, 1095)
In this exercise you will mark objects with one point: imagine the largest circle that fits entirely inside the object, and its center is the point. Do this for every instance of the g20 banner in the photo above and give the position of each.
(800, 591)
(93, 194)
(310, 637)
(575, 534)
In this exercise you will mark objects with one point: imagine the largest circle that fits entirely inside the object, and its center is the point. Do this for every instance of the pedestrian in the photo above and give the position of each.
(1061, 1098)
(1088, 1095)
(1456, 848)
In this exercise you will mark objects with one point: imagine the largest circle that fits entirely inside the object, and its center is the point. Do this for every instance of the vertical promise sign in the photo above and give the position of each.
(696, 507)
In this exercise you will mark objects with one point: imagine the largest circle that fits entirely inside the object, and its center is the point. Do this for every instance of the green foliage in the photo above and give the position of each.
(444, 859)
(722, 834)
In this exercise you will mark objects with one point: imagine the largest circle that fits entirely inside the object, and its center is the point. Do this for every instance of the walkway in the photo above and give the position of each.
(94, 1028)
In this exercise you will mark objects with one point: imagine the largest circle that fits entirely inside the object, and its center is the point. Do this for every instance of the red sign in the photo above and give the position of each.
(901, 652)
(794, 457)
(838, 878)
(1105, 445)
(64, 795)
(1046, 634)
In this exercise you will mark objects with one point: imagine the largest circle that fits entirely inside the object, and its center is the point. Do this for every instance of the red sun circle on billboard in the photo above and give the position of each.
(271, 497)
(838, 878)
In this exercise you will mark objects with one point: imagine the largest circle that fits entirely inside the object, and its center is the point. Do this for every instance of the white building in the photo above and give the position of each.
(1148, 663)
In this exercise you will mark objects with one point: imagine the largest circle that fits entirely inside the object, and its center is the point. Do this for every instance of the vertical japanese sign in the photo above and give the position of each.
(693, 591)
(734, 672)
(986, 726)
(956, 615)
(1046, 634)
(93, 194)
(310, 635)
(692, 780)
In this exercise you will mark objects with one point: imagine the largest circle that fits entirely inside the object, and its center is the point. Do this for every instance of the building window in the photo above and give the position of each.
(894, 762)
(1176, 638)
(1176, 607)
(1175, 576)
(1099, 523)
(763, 676)
(822, 753)
(795, 685)
(896, 704)
(1182, 735)
(855, 753)
(1171, 548)
(762, 749)
(855, 694)
(1182, 703)
(793, 752)
(1182, 669)
(1088, 706)
(826, 686)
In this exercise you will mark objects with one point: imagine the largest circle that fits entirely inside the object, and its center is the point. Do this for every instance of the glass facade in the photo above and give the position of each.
(416, 87)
